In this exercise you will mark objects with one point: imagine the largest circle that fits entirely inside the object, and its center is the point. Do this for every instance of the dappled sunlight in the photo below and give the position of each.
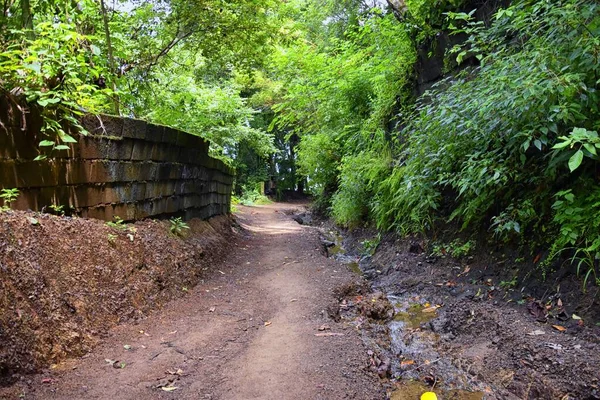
(271, 229)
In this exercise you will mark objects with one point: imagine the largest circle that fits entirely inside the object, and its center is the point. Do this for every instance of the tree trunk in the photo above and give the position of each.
(398, 8)
(111, 58)
(27, 19)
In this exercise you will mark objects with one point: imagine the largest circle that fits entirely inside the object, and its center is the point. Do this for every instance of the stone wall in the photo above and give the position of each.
(124, 167)
(431, 56)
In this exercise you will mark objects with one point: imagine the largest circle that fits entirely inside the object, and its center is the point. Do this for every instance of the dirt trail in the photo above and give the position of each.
(247, 332)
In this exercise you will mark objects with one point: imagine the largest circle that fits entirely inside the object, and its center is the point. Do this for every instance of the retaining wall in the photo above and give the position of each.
(124, 167)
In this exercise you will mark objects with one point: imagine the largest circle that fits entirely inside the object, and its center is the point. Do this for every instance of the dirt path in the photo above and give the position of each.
(247, 332)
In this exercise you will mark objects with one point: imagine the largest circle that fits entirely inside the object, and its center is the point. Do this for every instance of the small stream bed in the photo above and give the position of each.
(412, 339)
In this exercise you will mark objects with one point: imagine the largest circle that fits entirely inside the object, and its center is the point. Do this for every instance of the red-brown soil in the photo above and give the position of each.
(257, 326)
(65, 281)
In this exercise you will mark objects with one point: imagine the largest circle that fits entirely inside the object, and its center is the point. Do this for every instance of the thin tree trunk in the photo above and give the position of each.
(27, 19)
(111, 58)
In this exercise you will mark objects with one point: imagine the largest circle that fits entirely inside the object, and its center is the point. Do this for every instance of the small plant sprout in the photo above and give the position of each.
(57, 209)
(178, 226)
(112, 239)
(118, 223)
(8, 196)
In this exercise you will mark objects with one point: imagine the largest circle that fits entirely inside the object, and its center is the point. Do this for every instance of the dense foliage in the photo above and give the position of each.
(512, 144)
(508, 146)
(168, 61)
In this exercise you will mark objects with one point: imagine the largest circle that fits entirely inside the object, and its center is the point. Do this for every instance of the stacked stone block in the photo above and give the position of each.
(123, 167)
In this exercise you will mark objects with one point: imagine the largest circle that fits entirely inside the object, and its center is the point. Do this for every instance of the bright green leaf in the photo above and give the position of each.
(575, 160)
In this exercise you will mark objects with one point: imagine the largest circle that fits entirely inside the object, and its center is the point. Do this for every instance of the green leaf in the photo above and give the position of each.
(35, 67)
(561, 145)
(46, 143)
(61, 147)
(41, 157)
(589, 147)
(575, 160)
(65, 138)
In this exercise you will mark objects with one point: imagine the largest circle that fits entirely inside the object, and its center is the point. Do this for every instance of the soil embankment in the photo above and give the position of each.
(65, 281)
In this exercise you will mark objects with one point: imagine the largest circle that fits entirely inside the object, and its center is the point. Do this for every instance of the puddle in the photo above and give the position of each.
(337, 249)
(413, 316)
(338, 253)
(355, 268)
(413, 390)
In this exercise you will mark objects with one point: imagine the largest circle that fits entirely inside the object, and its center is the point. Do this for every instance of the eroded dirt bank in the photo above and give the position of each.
(64, 282)
(259, 326)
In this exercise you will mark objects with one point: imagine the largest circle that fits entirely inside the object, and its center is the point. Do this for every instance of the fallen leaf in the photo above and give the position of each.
(212, 309)
(559, 328)
(267, 323)
(172, 333)
(47, 380)
(536, 333)
(407, 362)
(430, 309)
(293, 300)
(537, 258)
(538, 311)
(329, 334)
(127, 347)
(559, 303)
(169, 388)
(33, 221)
(576, 317)
(324, 328)
(109, 361)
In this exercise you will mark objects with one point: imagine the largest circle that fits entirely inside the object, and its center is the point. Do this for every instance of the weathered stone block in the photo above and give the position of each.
(149, 171)
(134, 129)
(142, 150)
(154, 133)
(170, 136)
(104, 125)
(165, 152)
(32, 174)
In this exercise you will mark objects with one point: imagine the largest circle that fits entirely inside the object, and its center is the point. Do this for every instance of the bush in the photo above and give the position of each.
(497, 144)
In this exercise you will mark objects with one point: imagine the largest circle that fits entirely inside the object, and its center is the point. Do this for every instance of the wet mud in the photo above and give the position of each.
(464, 334)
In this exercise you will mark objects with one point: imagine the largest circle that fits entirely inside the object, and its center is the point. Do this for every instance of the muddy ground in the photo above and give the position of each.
(475, 327)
